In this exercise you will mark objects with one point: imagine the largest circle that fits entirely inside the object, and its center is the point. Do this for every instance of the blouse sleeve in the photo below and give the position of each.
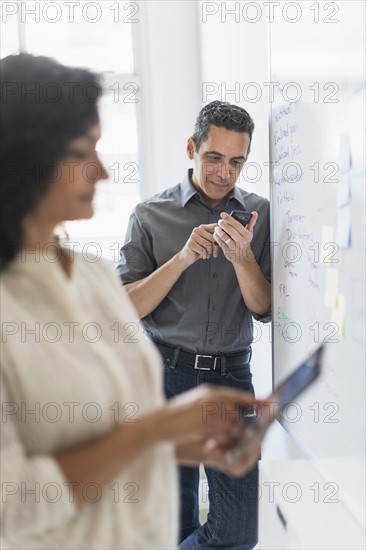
(35, 496)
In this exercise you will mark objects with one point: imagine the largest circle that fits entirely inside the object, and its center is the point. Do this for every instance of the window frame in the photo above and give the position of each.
(126, 87)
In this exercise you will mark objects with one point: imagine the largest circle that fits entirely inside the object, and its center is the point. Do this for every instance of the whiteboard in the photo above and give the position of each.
(317, 140)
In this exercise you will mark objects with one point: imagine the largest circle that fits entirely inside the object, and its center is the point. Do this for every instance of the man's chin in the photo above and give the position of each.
(217, 191)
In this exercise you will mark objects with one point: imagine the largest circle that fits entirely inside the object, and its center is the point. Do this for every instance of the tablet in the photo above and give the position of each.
(256, 424)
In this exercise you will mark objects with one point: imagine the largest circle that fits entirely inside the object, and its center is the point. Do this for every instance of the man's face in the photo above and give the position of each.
(218, 162)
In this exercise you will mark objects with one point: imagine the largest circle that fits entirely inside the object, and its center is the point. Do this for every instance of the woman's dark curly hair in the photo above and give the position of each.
(44, 105)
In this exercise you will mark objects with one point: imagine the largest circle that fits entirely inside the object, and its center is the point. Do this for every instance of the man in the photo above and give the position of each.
(196, 277)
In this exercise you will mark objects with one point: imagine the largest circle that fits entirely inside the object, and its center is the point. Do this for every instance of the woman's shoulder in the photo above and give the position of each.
(101, 276)
(94, 267)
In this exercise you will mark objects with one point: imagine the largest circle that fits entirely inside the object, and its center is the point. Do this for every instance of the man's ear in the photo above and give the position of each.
(190, 148)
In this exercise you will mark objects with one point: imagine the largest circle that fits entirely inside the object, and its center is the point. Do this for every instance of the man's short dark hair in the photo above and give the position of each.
(223, 115)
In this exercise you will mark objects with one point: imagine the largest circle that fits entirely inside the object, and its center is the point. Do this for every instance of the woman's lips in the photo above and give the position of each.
(87, 198)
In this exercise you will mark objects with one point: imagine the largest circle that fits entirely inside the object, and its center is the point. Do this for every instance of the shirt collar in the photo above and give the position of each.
(187, 191)
(237, 195)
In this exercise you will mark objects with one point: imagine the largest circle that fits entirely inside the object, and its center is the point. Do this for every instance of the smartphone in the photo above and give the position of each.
(255, 426)
(242, 217)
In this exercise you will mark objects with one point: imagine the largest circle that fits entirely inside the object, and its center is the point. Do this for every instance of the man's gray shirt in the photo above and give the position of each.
(204, 312)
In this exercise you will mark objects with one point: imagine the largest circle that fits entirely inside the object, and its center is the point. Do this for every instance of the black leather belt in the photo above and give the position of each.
(202, 362)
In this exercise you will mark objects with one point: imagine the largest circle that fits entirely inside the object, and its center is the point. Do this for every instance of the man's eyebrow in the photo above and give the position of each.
(214, 153)
(241, 157)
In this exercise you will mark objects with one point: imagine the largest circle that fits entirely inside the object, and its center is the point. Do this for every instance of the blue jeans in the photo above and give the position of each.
(232, 521)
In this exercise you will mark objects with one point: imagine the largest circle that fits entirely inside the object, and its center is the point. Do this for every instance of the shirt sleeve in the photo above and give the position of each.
(35, 495)
(136, 256)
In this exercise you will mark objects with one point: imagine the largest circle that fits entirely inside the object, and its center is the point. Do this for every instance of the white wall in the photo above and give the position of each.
(235, 66)
(168, 61)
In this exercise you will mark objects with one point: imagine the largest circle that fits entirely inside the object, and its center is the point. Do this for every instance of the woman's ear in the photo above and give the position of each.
(190, 148)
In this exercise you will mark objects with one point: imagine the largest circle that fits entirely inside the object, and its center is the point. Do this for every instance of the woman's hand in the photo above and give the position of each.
(206, 421)
(212, 453)
(207, 411)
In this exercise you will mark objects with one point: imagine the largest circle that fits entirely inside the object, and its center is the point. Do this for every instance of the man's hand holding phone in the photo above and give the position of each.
(231, 230)
(200, 245)
(232, 235)
(242, 217)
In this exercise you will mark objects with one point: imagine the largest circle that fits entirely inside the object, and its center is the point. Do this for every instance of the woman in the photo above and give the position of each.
(89, 445)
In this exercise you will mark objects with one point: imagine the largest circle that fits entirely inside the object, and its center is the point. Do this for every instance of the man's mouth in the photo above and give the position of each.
(219, 185)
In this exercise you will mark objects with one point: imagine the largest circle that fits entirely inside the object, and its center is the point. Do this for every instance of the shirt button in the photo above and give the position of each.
(215, 275)
(214, 308)
(210, 341)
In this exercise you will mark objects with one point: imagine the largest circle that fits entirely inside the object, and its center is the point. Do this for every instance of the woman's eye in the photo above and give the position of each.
(80, 155)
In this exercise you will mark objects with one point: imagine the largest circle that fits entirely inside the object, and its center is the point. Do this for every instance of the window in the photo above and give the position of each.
(100, 37)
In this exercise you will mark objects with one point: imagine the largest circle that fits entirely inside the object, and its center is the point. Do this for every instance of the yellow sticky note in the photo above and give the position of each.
(339, 313)
(331, 287)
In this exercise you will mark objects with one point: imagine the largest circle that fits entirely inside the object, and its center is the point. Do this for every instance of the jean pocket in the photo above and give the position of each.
(241, 375)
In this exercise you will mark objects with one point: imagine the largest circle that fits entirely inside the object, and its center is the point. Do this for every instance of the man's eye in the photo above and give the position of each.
(214, 158)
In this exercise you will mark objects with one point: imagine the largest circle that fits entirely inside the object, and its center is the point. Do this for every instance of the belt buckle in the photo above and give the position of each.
(196, 361)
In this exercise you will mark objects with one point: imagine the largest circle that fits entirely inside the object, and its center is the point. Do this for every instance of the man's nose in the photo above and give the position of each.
(224, 170)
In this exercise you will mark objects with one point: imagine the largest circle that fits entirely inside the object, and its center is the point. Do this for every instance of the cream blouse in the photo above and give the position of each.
(74, 363)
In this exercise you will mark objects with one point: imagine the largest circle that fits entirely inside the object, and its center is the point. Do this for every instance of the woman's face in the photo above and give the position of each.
(71, 194)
